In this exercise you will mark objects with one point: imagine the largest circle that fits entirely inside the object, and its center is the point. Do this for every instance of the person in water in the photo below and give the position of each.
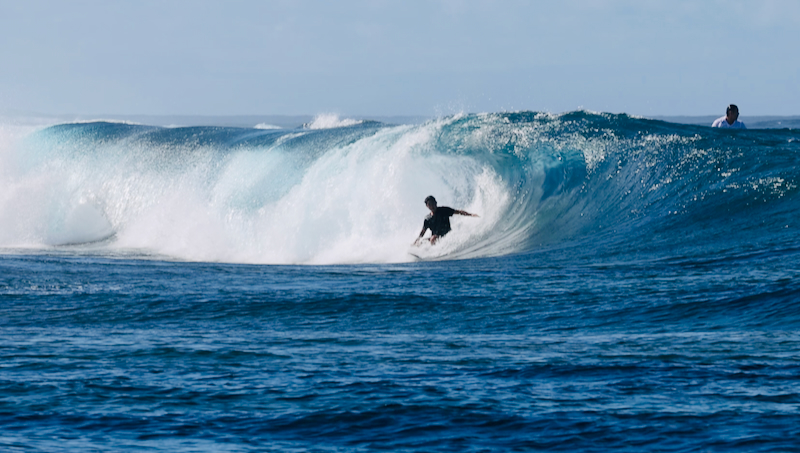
(438, 221)
(730, 120)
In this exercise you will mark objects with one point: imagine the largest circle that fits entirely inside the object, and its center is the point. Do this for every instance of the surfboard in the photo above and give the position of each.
(100, 240)
(421, 255)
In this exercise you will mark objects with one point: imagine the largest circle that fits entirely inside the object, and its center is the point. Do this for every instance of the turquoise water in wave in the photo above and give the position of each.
(631, 284)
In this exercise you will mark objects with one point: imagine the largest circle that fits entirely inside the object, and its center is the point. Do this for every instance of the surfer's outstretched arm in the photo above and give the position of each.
(466, 213)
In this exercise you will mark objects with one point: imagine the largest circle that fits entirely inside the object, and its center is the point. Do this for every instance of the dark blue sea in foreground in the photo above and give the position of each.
(630, 285)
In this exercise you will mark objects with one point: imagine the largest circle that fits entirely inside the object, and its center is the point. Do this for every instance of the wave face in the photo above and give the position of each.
(354, 194)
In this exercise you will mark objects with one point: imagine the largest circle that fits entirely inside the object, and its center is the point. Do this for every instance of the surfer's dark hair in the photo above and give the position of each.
(732, 107)
(430, 198)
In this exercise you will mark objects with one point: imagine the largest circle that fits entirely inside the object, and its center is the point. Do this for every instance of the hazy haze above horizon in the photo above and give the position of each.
(399, 58)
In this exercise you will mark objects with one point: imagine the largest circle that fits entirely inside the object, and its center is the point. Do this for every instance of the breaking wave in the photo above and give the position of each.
(347, 191)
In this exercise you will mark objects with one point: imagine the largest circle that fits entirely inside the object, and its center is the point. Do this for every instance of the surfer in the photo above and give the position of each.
(730, 120)
(438, 221)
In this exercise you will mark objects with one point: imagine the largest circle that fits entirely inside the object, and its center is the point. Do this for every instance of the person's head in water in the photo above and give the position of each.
(430, 202)
(732, 113)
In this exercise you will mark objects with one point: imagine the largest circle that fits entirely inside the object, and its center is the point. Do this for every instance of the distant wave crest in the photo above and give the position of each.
(330, 121)
(266, 126)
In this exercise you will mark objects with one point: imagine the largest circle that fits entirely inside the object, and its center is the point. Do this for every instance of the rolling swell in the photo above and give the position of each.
(353, 194)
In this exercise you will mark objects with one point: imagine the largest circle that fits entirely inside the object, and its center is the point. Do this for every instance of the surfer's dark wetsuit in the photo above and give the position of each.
(439, 221)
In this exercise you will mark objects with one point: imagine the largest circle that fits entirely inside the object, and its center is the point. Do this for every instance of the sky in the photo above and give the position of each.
(402, 57)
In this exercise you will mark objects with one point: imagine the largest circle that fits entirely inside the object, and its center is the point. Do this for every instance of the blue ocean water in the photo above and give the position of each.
(631, 284)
